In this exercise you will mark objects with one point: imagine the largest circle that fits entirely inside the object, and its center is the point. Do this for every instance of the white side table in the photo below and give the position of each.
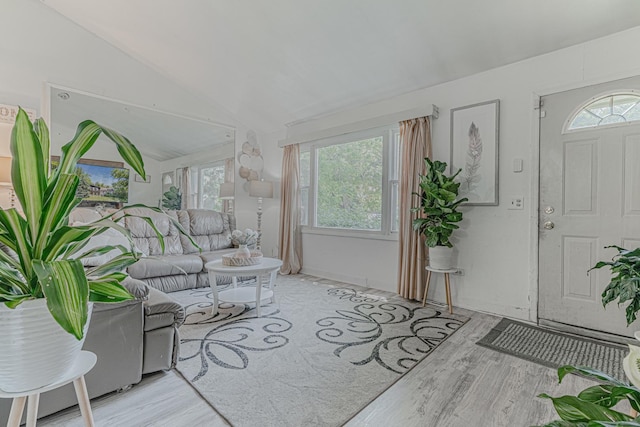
(447, 284)
(245, 294)
(84, 364)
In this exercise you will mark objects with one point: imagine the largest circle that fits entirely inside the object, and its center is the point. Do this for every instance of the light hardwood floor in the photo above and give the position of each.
(460, 384)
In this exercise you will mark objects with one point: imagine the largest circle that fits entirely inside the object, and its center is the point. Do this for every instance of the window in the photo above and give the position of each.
(305, 182)
(351, 182)
(205, 183)
(612, 109)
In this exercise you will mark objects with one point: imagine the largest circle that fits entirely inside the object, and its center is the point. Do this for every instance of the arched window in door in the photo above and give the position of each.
(613, 109)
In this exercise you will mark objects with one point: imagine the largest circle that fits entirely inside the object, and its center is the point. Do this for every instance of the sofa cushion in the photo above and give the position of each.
(161, 310)
(211, 230)
(110, 237)
(84, 215)
(137, 288)
(174, 283)
(165, 266)
(145, 237)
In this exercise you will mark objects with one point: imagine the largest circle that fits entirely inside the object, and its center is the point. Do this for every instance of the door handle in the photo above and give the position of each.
(549, 225)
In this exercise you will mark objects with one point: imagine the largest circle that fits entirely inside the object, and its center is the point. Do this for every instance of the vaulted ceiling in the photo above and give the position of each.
(272, 63)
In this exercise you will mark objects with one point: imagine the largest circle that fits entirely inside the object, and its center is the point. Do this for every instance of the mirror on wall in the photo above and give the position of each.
(167, 142)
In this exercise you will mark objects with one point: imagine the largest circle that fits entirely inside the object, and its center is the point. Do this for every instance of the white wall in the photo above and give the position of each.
(42, 46)
(245, 206)
(496, 246)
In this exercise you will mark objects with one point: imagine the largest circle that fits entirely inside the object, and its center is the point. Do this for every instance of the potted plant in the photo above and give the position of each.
(625, 280)
(172, 199)
(438, 212)
(45, 293)
(595, 405)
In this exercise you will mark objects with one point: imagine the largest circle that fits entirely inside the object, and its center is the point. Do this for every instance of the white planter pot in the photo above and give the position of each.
(34, 351)
(441, 258)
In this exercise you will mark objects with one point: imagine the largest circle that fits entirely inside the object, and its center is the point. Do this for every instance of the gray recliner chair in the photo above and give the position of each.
(130, 339)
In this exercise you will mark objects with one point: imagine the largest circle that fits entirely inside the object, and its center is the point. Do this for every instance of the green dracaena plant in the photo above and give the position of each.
(438, 204)
(42, 251)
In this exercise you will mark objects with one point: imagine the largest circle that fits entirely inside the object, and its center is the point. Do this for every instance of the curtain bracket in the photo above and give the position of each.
(436, 112)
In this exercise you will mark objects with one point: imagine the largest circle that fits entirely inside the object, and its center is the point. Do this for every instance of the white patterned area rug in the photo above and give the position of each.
(316, 357)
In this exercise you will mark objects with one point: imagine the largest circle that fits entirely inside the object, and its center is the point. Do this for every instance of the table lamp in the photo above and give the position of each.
(227, 192)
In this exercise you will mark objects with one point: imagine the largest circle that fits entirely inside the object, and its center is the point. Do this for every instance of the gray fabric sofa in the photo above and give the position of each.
(181, 266)
(131, 338)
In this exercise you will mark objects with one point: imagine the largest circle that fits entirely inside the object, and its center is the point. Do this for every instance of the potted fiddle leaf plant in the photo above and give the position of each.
(438, 212)
(46, 294)
(172, 199)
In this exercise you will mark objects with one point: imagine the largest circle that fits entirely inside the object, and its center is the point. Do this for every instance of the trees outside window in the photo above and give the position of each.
(205, 185)
(350, 182)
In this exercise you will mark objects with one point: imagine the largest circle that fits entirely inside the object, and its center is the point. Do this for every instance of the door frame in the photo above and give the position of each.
(534, 205)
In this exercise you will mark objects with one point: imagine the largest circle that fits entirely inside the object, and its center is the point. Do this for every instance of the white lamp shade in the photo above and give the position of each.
(261, 189)
(5, 171)
(167, 179)
(227, 190)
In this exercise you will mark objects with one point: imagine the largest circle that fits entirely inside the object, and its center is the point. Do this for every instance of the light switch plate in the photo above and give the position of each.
(517, 165)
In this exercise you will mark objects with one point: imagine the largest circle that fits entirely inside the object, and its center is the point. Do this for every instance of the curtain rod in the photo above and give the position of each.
(383, 120)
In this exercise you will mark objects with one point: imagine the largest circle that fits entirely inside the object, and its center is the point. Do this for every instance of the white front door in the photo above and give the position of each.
(589, 198)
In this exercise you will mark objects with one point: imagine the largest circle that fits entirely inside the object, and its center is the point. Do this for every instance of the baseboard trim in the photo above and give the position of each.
(355, 280)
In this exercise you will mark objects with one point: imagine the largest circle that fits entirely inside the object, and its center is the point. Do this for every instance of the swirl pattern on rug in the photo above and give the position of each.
(228, 343)
(360, 337)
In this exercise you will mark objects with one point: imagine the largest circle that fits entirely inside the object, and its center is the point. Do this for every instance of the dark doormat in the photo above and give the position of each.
(555, 349)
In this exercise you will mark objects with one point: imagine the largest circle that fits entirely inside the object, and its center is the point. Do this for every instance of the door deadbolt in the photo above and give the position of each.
(549, 210)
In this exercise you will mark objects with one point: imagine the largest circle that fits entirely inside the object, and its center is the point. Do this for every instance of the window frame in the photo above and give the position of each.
(390, 164)
(584, 105)
(198, 184)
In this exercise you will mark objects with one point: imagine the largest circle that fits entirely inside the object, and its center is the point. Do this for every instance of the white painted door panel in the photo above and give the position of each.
(590, 193)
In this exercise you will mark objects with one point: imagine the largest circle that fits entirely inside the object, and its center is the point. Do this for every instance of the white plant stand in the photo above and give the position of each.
(268, 267)
(447, 284)
(86, 361)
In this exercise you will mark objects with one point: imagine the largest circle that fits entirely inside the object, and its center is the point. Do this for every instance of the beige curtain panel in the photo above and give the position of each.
(185, 188)
(290, 243)
(228, 177)
(415, 145)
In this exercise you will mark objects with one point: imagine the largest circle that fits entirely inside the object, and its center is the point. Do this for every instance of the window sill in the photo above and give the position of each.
(353, 234)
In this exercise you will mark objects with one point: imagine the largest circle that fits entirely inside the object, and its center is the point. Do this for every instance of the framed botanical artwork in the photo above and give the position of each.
(474, 149)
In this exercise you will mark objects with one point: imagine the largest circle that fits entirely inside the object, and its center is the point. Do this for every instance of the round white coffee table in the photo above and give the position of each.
(267, 268)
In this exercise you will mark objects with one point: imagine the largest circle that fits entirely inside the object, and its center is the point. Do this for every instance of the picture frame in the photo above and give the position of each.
(102, 183)
(146, 179)
(475, 131)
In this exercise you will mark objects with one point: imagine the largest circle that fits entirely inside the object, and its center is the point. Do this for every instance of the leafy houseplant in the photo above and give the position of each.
(172, 199)
(625, 281)
(593, 406)
(438, 205)
(44, 250)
